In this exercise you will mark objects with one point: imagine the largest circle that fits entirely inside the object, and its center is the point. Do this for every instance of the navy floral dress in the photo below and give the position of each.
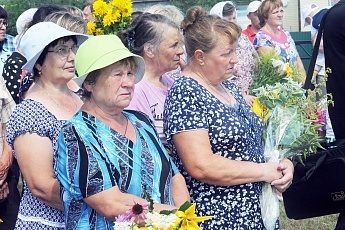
(32, 117)
(234, 133)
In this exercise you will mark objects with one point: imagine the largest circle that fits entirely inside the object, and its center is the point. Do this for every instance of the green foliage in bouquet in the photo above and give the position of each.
(277, 87)
(292, 116)
(271, 69)
(300, 112)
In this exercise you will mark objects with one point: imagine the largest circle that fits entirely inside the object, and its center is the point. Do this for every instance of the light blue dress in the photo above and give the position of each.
(92, 158)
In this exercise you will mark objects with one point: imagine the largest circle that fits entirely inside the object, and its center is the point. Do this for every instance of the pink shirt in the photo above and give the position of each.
(149, 99)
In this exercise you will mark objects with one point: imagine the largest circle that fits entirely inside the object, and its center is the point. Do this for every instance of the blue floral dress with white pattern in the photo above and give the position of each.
(92, 158)
(32, 117)
(234, 133)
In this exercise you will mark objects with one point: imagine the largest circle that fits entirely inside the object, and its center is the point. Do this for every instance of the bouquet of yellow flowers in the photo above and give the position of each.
(292, 118)
(110, 16)
(182, 219)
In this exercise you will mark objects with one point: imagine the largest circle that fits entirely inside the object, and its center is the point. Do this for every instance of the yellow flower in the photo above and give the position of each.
(188, 219)
(259, 109)
(99, 8)
(99, 31)
(108, 19)
(123, 6)
(289, 70)
(110, 16)
(91, 27)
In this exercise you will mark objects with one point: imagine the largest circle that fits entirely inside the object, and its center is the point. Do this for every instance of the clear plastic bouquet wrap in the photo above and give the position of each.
(292, 119)
(281, 131)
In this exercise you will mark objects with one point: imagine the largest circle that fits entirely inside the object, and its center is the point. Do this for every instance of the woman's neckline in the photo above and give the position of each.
(269, 30)
(235, 105)
(165, 84)
(112, 129)
(45, 108)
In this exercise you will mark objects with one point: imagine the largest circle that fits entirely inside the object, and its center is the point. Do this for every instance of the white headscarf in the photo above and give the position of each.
(218, 8)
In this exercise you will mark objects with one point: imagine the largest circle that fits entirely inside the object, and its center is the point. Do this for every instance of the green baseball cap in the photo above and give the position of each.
(101, 51)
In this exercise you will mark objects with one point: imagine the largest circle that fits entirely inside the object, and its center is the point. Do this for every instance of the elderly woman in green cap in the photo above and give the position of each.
(109, 157)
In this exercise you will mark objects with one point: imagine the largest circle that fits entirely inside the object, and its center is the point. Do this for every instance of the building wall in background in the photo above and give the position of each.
(292, 21)
(291, 16)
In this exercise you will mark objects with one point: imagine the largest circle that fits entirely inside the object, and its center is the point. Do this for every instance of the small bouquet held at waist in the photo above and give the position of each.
(293, 118)
(182, 219)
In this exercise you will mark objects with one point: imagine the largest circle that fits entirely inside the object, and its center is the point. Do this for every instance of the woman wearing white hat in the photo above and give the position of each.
(109, 157)
(36, 122)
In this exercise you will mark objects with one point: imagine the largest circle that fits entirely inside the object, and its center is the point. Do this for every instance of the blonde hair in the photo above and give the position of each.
(75, 11)
(169, 11)
(68, 21)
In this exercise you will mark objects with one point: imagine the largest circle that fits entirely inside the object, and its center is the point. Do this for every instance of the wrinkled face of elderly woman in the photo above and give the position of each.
(169, 51)
(114, 86)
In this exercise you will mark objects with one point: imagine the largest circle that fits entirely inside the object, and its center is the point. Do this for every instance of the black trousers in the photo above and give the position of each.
(9, 207)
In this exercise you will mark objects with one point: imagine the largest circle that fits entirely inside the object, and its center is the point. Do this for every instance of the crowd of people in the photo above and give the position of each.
(162, 108)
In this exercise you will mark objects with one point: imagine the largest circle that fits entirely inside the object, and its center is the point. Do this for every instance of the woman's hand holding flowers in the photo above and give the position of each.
(287, 169)
(249, 99)
(271, 172)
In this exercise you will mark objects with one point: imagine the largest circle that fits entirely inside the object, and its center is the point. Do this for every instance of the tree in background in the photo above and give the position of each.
(15, 7)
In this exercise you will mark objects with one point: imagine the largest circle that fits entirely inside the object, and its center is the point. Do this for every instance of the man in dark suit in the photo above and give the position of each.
(334, 48)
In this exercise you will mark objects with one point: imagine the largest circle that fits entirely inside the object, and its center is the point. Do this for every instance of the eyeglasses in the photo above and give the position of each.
(3, 22)
(64, 51)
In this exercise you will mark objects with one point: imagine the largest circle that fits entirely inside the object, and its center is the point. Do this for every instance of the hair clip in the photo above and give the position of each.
(130, 38)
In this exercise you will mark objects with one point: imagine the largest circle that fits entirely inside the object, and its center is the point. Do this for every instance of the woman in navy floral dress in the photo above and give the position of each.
(214, 137)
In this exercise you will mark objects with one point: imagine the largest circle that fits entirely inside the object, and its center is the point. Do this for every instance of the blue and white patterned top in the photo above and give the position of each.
(10, 43)
(32, 117)
(234, 133)
(92, 158)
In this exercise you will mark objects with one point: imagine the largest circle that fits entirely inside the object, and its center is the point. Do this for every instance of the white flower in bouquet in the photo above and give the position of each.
(124, 226)
(280, 65)
(161, 221)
